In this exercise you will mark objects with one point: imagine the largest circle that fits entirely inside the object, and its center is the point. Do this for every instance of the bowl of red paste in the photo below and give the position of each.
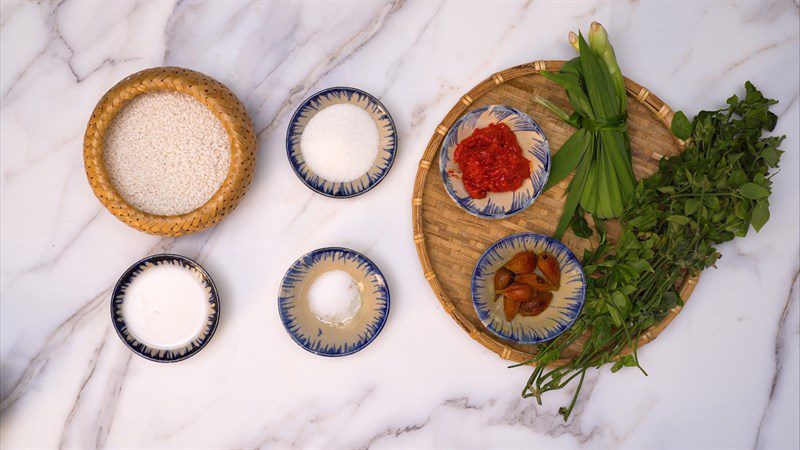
(494, 161)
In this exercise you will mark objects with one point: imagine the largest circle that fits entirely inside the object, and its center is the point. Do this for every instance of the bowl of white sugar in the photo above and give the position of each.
(341, 142)
(169, 151)
(165, 308)
(333, 301)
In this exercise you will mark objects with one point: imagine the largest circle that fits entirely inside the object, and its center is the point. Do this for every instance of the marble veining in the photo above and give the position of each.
(725, 373)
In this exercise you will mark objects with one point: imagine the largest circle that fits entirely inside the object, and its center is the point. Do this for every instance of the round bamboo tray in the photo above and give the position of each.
(221, 101)
(449, 241)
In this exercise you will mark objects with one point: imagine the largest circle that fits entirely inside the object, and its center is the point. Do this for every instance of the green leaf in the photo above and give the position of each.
(740, 210)
(689, 175)
(578, 98)
(601, 92)
(681, 127)
(571, 82)
(691, 206)
(753, 191)
(738, 177)
(711, 201)
(579, 225)
(625, 272)
(600, 227)
(555, 109)
(760, 214)
(771, 156)
(742, 230)
(642, 265)
(614, 315)
(619, 299)
(628, 289)
(680, 220)
(669, 300)
(627, 240)
(617, 150)
(565, 79)
(630, 361)
(573, 196)
(568, 156)
(645, 220)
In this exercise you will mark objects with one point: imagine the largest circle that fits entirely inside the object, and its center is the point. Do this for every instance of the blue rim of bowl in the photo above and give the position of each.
(372, 268)
(317, 187)
(142, 349)
(537, 189)
(571, 256)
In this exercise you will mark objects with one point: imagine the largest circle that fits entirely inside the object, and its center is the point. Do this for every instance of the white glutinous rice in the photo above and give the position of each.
(340, 142)
(166, 153)
(334, 297)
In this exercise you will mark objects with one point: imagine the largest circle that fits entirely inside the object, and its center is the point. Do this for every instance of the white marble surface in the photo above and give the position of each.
(725, 373)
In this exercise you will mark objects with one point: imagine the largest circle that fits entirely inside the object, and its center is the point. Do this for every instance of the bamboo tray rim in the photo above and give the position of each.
(660, 110)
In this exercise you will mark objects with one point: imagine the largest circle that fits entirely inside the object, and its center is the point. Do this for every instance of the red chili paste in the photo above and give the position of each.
(491, 161)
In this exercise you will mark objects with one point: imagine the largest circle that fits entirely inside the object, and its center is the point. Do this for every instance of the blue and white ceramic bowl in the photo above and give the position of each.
(322, 338)
(164, 355)
(564, 308)
(531, 138)
(387, 141)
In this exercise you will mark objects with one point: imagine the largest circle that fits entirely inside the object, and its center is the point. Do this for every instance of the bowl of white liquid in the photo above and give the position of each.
(333, 301)
(165, 308)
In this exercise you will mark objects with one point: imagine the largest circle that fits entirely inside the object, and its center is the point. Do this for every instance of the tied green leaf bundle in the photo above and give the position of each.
(599, 152)
(714, 191)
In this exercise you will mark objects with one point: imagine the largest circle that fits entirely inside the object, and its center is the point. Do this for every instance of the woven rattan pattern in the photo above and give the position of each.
(449, 241)
(221, 101)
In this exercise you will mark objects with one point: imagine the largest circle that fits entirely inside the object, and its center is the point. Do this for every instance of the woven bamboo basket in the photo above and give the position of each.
(225, 106)
(449, 241)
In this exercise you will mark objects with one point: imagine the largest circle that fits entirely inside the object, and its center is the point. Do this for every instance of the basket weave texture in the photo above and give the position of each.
(225, 106)
(450, 241)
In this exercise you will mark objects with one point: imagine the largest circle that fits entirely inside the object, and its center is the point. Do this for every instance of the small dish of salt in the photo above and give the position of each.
(333, 301)
(341, 142)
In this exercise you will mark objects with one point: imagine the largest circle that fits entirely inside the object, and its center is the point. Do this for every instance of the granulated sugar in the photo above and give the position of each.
(166, 153)
(340, 143)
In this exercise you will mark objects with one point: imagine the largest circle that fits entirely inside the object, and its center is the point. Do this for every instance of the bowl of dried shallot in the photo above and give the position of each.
(528, 288)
